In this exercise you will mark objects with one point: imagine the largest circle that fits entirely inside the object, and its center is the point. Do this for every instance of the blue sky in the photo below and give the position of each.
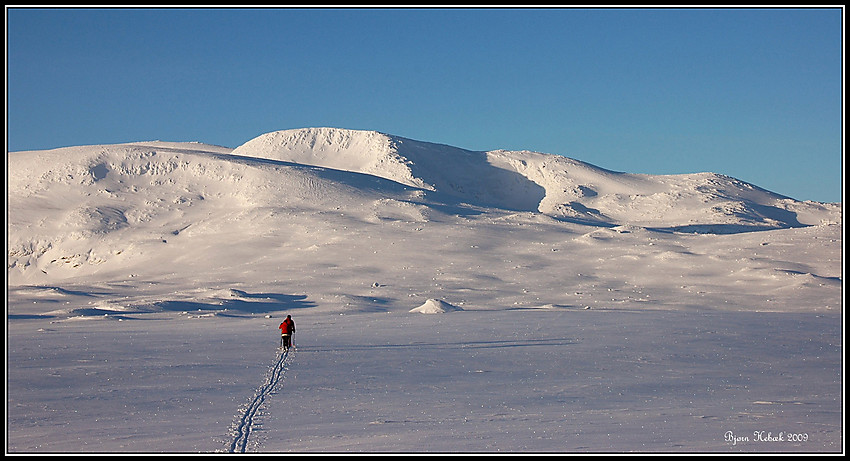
(751, 93)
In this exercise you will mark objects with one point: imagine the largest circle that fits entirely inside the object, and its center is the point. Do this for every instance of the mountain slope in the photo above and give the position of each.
(73, 209)
(554, 185)
(122, 210)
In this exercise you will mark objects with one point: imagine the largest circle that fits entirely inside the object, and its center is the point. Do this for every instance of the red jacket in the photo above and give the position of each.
(287, 327)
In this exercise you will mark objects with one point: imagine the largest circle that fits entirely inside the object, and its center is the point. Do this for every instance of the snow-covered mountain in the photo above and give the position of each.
(86, 205)
(551, 184)
(112, 211)
(447, 300)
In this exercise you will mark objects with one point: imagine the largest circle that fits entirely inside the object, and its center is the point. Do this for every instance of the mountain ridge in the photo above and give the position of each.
(324, 206)
(522, 181)
(554, 185)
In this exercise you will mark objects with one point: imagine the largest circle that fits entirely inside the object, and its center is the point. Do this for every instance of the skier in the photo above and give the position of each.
(287, 328)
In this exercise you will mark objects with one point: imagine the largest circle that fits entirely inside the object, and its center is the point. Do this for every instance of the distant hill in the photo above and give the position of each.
(78, 207)
(551, 184)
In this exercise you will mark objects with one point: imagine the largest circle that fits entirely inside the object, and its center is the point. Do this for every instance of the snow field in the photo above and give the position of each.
(559, 380)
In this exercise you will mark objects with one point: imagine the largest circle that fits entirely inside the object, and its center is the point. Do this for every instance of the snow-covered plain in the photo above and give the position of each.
(445, 301)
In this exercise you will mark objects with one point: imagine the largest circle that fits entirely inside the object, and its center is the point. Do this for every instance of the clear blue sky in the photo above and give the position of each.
(751, 93)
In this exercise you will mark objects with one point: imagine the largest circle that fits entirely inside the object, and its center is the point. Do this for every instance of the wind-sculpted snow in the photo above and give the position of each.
(435, 306)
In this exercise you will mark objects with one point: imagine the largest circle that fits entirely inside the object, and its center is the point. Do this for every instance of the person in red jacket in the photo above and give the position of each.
(287, 328)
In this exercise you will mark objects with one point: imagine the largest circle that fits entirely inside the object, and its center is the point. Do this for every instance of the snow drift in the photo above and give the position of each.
(435, 306)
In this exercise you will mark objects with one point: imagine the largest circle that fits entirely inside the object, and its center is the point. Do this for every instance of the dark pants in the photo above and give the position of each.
(287, 340)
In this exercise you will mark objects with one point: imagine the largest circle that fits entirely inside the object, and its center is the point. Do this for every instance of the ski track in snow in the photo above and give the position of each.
(245, 421)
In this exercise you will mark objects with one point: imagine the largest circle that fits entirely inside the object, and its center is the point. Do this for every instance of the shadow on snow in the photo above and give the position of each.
(449, 345)
(241, 303)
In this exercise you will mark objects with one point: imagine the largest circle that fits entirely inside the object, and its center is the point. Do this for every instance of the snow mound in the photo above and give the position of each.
(435, 306)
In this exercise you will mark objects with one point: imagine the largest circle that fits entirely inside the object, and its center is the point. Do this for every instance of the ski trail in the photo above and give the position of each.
(246, 420)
